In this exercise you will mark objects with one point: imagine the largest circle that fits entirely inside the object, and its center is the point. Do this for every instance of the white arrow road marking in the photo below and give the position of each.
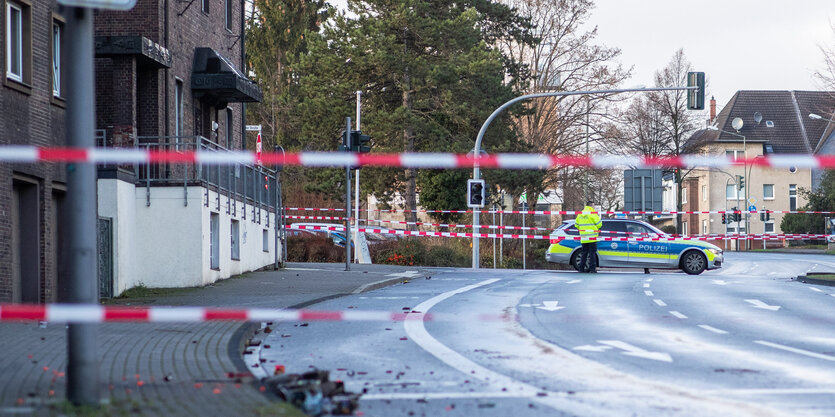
(712, 329)
(660, 303)
(815, 289)
(679, 315)
(646, 285)
(574, 281)
(551, 306)
(648, 293)
(636, 351)
(405, 274)
(796, 350)
(592, 348)
(526, 305)
(762, 305)
(720, 282)
(649, 279)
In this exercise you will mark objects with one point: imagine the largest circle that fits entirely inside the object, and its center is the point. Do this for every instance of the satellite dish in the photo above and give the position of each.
(758, 117)
(737, 123)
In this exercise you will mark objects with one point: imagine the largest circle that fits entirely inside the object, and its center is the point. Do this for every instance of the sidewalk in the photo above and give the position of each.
(150, 369)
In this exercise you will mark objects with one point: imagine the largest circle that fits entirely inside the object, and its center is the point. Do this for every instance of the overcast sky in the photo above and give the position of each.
(739, 44)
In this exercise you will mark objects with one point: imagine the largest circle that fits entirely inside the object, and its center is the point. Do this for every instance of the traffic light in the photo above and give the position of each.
(696, 97)
(735, 216)
(359, 142)
(765, 215)
(346, 145)
(740, 182)
(475, 193)
(724, 219)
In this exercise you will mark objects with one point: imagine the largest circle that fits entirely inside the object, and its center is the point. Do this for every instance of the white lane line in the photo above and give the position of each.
(677, 314)
(649, 293)
(796, 350)
(815, 289)
(574, 281)
(657, 301)
(417, 333)
(646, 285)
(770, 391)
(442, 395)
(762, 305)
(712, 329)
(649, 279)
(636, 351)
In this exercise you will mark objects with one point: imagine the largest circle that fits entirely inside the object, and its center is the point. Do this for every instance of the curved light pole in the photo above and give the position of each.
(480, 137)
(744, 171)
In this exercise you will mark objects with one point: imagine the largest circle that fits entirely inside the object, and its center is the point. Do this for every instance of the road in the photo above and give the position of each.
(743, 340)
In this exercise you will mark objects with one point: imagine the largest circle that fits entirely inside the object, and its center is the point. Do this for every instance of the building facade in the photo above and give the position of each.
(774, 123)
(32, 112)
(169, 77)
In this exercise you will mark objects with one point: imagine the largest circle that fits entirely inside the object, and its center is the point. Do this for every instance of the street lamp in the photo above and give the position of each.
(819, 117)
(737, 124)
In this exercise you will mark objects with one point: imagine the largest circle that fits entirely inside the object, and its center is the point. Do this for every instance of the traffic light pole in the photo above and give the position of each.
(348, 200)
(82, 360)
(483, 130)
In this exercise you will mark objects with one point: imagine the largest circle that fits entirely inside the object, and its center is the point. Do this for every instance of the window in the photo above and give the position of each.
(704, 193)
(236, 247)
(214, 240)
(57, 34)
(768, 191)
(684, 228)
(609, 229)
(18, 42)
(730, 192)
(265, 240)
(704, 227)
(792, 197)
(178, 110)
(735, 154)
(228, 15)
(769, 226)
(204, 5)
(684, 195)
(229, 128)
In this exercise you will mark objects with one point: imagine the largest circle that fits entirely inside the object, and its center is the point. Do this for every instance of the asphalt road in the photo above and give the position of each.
(743, 340)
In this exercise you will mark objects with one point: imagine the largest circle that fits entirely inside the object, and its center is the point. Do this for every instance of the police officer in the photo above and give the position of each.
(588, 224)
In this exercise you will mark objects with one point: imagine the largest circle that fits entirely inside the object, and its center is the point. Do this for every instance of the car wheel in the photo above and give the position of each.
(575, 260)
(693, 262)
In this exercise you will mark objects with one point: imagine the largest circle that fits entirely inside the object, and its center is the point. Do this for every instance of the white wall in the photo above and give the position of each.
(167, 244)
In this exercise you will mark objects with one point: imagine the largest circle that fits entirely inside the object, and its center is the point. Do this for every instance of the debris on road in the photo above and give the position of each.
(314, 393)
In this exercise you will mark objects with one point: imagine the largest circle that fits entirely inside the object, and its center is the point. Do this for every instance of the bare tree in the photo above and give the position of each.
(826, 75)
(566, 59)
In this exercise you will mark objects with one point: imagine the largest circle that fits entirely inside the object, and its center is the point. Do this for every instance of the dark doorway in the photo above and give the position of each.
(26, 271)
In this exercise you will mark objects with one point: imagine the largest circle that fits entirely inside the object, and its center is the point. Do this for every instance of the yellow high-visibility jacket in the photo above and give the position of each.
(588, 224)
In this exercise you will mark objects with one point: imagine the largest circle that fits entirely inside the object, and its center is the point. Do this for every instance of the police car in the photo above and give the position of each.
(628, 251)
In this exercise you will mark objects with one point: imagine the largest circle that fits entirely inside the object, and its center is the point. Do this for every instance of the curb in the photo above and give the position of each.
(806, 280)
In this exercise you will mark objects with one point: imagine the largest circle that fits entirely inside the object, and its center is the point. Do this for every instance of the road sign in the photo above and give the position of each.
(100, 4)
(258, 150)
(253, 128)
(752, 208)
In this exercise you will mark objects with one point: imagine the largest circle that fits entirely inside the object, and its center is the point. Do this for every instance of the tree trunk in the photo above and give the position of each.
(411, 173)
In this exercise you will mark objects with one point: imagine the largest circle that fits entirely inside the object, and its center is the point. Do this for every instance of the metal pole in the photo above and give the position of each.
(357, 173)
(501, 240)
(83, 366)
(585, 170)
(494, 239)
(745, 181)
(524, 264)
(486, 124)
(348, 205)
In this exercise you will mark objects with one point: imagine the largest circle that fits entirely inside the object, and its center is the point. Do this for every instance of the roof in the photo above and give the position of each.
(785, 123)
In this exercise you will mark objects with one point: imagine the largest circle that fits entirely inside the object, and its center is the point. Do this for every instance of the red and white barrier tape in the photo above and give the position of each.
(94, 313)
(780, 236)
(31, 154)
(566, 212)
(466, 226)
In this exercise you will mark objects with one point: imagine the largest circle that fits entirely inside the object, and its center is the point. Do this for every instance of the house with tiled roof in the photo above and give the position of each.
(772, 123)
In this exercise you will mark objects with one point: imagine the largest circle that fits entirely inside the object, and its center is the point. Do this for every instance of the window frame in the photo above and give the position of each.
(683, 195)
(766, 227)
(772, 192)
(235, 244)
(265, 240)
(230, 124)
(22, 81)
(792, 197)
(204, 6)
(228, 12)
(704, 227)
(704, 192)
(57, 58)
(736, 192)
(684, 228)
(179, 106)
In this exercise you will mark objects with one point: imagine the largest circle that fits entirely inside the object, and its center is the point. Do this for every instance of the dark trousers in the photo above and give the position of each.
(588, 259)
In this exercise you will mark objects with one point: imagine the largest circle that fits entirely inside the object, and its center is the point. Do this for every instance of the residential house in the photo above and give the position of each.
(31, 113)
(774, 123)
(170, 77)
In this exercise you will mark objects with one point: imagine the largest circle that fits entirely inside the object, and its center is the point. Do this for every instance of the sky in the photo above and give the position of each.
(739, 44)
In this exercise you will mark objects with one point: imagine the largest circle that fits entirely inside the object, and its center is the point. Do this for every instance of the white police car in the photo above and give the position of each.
(629, 251)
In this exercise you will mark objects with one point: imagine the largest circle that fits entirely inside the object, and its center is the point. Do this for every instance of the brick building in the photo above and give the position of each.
(31, 113)
(169, 77)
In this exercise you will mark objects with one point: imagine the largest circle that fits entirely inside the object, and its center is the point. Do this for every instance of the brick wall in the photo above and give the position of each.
(31, 118)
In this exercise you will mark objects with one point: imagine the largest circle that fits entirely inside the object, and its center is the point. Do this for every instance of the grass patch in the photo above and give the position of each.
(140, 292)
(822, 277)
(117, 408)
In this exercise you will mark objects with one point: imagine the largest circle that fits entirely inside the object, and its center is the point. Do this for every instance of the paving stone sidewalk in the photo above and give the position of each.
(177, 369)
